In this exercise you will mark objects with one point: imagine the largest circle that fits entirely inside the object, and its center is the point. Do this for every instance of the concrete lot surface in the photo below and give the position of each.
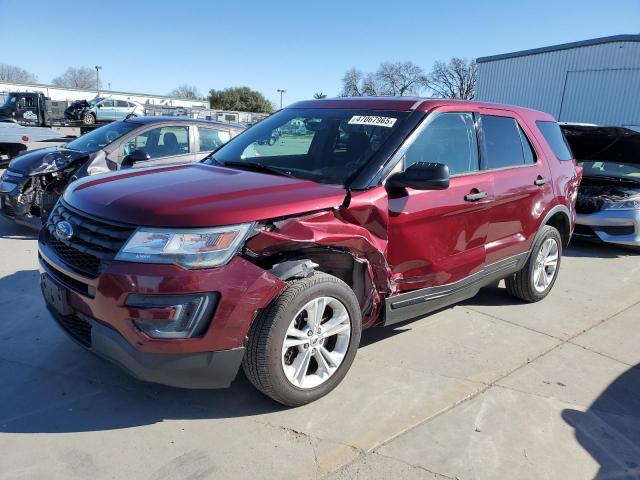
(491, 389)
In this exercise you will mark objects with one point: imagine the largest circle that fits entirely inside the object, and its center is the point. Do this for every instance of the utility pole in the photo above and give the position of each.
(281, 92)
(98, 67)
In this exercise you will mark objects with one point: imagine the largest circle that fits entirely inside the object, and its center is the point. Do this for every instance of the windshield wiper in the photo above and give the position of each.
(257, 166)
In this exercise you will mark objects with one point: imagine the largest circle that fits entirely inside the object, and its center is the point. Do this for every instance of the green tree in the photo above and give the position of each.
(319, 95)
(241, 99)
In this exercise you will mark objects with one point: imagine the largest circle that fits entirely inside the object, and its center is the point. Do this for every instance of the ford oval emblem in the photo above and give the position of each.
(64, 230)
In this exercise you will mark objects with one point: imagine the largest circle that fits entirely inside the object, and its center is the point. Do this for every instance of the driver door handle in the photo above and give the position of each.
(474, 197)
(540, 181)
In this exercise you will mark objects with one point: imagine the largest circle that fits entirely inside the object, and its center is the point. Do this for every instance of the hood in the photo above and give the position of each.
(33, 160)
(197, 195)
(593, 142)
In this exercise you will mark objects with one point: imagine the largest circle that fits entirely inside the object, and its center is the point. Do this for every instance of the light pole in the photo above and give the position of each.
(281, 93)
(98, 67)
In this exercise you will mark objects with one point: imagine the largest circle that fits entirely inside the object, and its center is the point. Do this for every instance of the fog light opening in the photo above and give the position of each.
(172, 316)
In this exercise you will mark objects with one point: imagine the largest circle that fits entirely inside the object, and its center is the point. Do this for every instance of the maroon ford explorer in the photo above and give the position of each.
(326, 218)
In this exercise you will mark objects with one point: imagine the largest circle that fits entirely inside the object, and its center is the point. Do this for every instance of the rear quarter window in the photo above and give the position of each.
(554, 137)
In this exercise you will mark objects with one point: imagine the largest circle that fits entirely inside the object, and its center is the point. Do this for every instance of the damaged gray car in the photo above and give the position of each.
(608, 204)
(34, 180)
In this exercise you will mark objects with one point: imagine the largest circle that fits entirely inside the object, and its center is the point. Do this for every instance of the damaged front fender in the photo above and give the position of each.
(359, 230)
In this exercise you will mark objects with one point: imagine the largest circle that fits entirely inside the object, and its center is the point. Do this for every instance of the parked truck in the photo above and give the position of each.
(14, 138)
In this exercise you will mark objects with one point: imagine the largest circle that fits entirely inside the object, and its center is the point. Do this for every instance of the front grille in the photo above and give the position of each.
(81, 261)
(67, 281)
(584, 231)
(78, 327)
(94, 243)
(617, 230)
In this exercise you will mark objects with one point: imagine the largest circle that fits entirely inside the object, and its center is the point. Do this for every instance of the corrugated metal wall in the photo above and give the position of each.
(594, 84)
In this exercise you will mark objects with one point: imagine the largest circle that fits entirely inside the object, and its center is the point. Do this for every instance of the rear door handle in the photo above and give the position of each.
(540, 181)
(474, 197)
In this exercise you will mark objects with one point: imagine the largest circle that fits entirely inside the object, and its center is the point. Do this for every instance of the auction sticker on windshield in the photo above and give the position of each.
(372, 120)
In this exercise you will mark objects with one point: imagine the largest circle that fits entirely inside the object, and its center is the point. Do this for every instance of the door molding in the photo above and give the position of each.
(410, 305)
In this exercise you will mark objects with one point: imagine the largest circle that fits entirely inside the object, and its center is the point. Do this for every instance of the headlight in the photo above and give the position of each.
(632, 203)
(189, 248)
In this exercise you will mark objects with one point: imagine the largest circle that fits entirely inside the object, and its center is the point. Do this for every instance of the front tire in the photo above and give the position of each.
(89, 118)
(539, 274)
(301, 347)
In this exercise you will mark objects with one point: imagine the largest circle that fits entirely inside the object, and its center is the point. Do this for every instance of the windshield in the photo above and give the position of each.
(93, 101)
(9, 99)
(624, 171)
(323, 145)
(101, 137)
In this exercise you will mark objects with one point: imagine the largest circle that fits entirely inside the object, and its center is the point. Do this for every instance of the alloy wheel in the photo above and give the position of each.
(546, 265)
(316, 342)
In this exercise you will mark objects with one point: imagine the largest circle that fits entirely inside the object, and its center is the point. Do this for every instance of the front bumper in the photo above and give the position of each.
(620, 227)
(99, 320)
(185, 370)
(12, 208)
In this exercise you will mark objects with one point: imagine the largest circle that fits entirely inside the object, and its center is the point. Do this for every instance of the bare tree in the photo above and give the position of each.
(351, 83)
(400, 78)
(391, 78)
(11, 73)
(355, 83)
(456, 79)
(82, 77)
(370, 85)
(319, 95)
(186, 91)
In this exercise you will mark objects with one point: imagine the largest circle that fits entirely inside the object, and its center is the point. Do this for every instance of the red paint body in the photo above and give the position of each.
(407, 240)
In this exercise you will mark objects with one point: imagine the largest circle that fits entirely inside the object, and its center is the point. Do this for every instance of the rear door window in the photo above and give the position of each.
(554, 137)
(210, 138)
(504, 144)
(449, 138)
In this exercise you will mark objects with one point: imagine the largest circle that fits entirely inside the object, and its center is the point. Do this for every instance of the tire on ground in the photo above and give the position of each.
(262, 362)
(521, 284)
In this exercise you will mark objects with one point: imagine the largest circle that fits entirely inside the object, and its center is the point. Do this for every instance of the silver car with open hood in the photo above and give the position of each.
(608, 205)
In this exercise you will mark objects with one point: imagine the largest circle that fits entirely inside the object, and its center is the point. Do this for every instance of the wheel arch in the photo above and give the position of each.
(559, 218)
(340, 263)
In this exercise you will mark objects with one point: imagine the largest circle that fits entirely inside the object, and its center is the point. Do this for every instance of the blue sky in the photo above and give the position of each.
(301, 46)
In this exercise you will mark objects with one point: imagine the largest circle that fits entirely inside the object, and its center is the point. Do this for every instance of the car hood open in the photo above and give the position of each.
(197, 195)
(593, 142)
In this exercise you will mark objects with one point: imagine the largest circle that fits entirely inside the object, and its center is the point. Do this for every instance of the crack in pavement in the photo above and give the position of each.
(493, 383)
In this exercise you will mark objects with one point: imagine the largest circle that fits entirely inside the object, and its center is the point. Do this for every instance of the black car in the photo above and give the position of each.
(35, 179)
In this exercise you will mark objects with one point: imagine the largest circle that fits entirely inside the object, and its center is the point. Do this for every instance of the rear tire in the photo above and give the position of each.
(89, 118)
(536, 279)
(282, 362)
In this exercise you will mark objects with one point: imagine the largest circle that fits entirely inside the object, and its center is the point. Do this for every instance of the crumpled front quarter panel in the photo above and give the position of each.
(359, 229)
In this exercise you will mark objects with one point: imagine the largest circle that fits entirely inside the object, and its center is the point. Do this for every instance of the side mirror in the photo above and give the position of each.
(135, 157)
(421, 176)
(99, 106)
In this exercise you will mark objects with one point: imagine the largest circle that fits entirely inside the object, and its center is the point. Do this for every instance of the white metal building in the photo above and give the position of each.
(72, 94)
(592, 81)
